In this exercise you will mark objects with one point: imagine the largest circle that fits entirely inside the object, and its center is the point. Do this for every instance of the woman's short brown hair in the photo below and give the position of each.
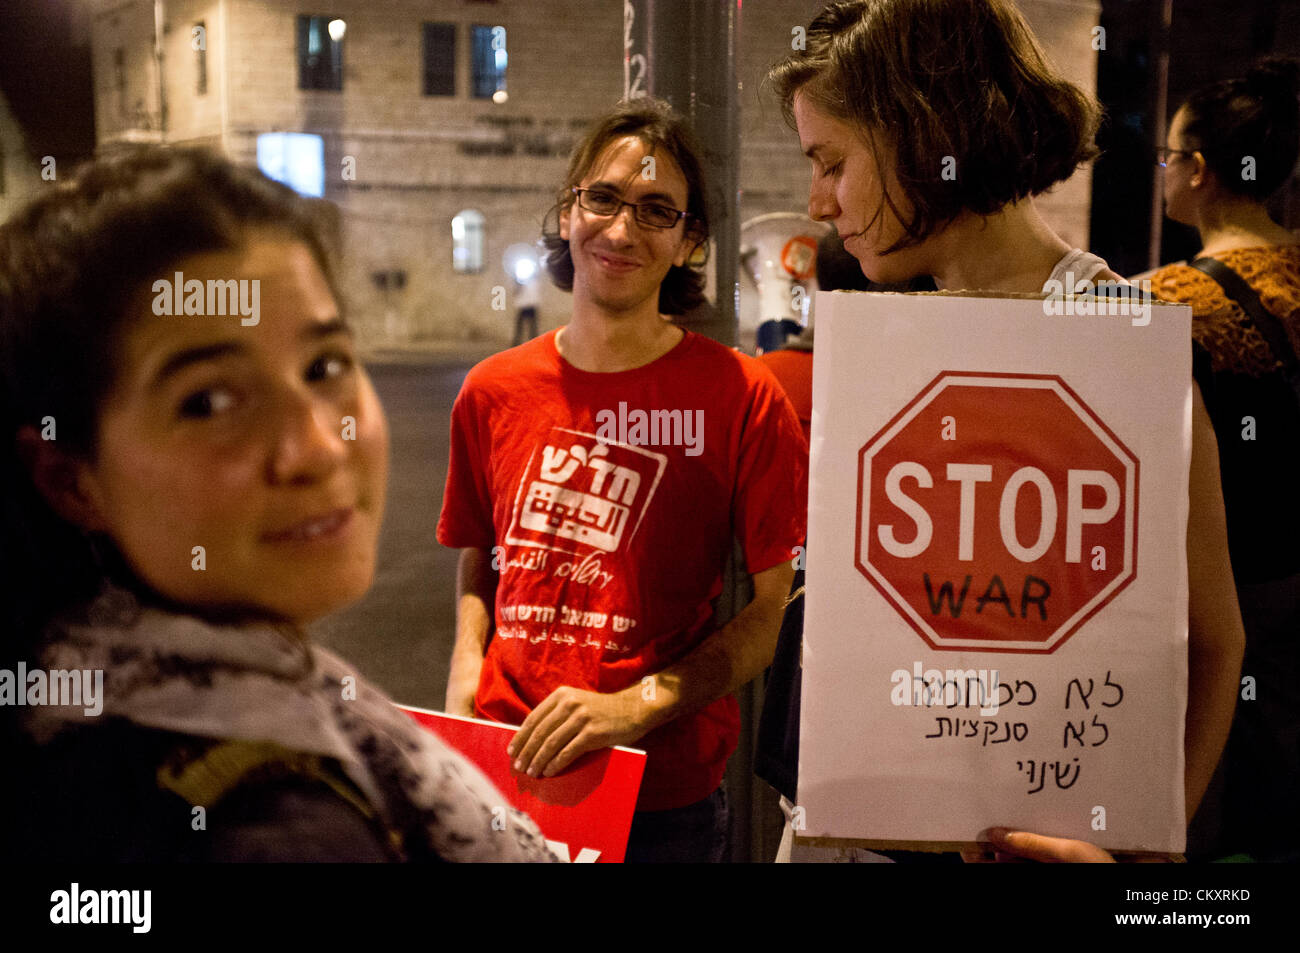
(658, 127)
(944, 79)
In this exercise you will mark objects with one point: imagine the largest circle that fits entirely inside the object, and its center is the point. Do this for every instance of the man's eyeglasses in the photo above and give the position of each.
(1163, 154)
(652, 214)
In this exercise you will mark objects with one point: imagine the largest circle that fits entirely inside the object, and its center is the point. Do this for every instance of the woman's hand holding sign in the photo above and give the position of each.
(1021, 846)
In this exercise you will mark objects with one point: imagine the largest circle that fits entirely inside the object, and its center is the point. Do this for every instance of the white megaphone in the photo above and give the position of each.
(779, 253)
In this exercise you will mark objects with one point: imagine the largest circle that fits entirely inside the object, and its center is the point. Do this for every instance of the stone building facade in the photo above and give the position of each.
(401, 166)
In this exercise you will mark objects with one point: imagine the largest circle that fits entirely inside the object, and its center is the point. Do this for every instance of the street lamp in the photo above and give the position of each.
(520, 262)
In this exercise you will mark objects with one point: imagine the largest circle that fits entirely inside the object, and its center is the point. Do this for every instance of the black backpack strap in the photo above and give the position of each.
(1235, 287)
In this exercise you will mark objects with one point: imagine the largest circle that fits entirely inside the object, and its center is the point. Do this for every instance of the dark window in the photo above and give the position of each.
(199, 40)
(320, 52)
(440, 59)
(489, 60)
(119, 79)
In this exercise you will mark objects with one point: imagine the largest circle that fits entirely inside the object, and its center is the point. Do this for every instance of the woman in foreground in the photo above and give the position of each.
(886, 96)
(195, 468)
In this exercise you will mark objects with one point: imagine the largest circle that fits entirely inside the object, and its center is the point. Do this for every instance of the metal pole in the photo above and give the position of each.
(159, 20)
(1164, 29)
(684, 52)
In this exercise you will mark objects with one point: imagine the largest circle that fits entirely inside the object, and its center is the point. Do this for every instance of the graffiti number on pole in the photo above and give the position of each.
(633, 85)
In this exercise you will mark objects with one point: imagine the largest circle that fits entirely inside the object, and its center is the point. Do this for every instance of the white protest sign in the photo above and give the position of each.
(996, 619)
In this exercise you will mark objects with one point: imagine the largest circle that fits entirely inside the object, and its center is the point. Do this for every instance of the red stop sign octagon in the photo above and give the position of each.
(996, 512)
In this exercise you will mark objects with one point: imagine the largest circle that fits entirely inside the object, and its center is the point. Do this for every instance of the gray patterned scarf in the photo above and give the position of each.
(267, 683)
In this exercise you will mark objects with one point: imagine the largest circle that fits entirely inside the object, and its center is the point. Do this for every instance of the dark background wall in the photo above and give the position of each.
(1207, 40)
(45, 73)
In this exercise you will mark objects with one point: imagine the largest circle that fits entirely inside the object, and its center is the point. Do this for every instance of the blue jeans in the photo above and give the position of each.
(694, 834)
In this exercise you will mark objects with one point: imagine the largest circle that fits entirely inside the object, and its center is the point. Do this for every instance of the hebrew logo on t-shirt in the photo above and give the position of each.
(580, 494)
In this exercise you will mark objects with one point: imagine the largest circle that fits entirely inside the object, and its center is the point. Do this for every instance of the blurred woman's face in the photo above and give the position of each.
(263, 444)
(848, 188)
(1179, 172)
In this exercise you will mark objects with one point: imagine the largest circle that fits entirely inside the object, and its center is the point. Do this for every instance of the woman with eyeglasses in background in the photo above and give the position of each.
(1230, 148)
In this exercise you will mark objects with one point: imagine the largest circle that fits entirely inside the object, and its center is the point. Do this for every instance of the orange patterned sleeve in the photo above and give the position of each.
(1219, 325)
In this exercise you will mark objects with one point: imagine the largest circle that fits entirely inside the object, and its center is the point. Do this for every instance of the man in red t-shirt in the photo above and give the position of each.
(602, 470)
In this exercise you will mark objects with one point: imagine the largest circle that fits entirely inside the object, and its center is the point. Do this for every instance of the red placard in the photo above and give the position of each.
(584, 813)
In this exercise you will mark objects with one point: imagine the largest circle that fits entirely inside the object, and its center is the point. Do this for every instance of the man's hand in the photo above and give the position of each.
(571, 722)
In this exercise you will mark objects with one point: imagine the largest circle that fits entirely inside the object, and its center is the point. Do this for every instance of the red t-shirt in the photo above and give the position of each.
(793, 371)
(614, 497)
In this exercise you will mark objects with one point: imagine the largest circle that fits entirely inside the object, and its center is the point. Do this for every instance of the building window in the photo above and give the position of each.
(488, 45)
(295, 158)
(119, 79)
(199, 41)
(320, 52)
(440, 59)
(467, 242)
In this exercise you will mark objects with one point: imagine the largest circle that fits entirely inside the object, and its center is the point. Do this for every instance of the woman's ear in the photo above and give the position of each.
(564, 221)
(1199, 169)
(62, 480)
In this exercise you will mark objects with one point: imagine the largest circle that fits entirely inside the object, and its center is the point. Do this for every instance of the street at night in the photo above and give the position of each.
(400, 635)
(876, 437)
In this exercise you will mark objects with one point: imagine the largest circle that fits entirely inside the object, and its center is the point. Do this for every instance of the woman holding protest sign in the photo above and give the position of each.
(931, 125)
(1230, 147)
(183, 495)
